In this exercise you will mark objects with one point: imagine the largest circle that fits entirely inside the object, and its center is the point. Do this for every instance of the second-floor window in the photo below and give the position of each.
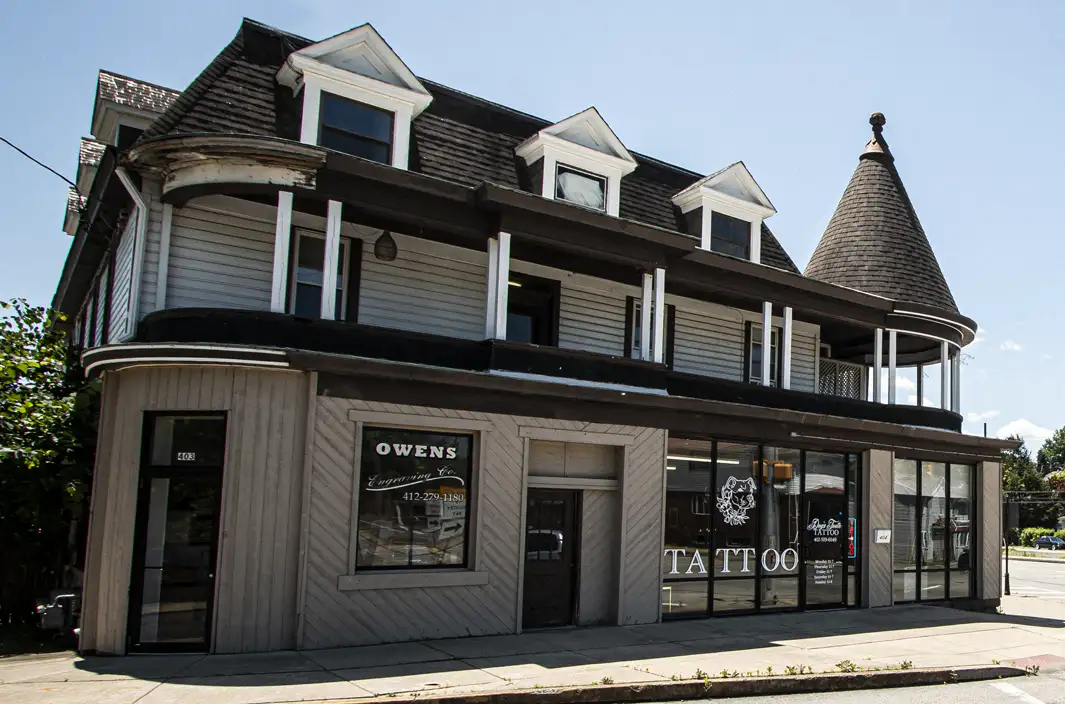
(729, 235)
(633, 327)
(532, 310)
(354, 128)
(580, 187)
(305, 296)
(754, 356)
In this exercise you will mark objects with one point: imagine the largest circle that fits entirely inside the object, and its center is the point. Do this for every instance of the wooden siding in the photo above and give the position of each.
(255, 605)
(592, 320)
(219, 259)
(878, 503)
(804, 361)
(333, 617)
(99, 335)
(600, 536)
(430, 287)
(989, 514)
(122, 287)
(575, 460)
(710, 342)
(152, 192)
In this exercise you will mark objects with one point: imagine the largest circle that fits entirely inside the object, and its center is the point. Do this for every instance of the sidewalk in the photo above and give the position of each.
(924, 635)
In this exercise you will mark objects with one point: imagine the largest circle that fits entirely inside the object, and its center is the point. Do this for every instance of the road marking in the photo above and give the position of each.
(1009, 689)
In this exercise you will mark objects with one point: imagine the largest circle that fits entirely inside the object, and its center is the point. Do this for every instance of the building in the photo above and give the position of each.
(383, 361)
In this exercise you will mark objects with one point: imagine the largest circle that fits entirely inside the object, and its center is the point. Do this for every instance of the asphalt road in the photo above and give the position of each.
(1044, 580)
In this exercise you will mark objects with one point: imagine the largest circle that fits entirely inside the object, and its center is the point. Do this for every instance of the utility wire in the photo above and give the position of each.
(40, 163)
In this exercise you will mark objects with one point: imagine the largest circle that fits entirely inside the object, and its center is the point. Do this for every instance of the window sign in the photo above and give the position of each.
(188, 440)
(414, 490)
(852, 532)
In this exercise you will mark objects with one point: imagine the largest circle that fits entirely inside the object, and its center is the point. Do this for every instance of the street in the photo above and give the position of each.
(1044, 580)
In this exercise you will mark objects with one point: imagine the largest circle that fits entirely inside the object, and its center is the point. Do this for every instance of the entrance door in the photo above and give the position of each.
(550, 558)
(825, 534)
(176, 542)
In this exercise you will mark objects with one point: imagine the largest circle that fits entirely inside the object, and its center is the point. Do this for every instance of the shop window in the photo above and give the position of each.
(532, 310)
(354, 128)
(305, 291)
(633, 323)
(932, 534)
(414, 499)
(754, 355)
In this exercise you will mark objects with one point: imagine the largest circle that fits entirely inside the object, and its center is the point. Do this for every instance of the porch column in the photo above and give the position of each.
(495, 321)
(332, 256)
(660, 316)
(282, 235)
(878, 363)
(955, 382)
(767, 343)
(944, 375)
(892, 349)
(920, 384)
(785, 373)
(646, 301)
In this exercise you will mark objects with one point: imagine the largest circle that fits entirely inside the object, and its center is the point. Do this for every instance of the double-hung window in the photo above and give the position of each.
(305, 295)
(354, 128)
(633, 334)
(754, 355)
(532, 310)
(729, 235)
(580, 187)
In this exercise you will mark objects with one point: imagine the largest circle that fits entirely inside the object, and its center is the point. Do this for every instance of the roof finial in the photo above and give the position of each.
(877, 120)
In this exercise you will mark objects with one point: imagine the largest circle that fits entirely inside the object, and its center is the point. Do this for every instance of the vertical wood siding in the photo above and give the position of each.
(333, 618)
(989, 512)
(600, 536)
(262, 490)
(592, 320)
(219, 259)
(429, 288)
(121, 289)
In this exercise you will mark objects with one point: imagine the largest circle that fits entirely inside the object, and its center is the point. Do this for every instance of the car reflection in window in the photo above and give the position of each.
(541, 544)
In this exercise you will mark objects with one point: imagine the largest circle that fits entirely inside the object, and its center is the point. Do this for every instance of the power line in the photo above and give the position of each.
(40, 163)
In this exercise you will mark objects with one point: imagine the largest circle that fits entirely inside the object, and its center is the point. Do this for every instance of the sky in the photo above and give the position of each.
(973, 92)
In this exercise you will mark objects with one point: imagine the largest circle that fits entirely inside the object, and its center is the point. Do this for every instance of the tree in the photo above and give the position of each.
(1051, 457)
(1019, 474)
(47, 444)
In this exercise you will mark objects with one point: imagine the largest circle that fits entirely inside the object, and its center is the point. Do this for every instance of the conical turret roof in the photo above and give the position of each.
(874, 241)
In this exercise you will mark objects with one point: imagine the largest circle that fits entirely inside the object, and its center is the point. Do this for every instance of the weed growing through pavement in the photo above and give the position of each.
(906, 665)
(1031, 670)
(699, 675)
(846, 666)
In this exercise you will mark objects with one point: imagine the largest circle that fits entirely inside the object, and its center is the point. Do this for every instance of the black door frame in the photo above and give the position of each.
(576, 498)
(147, 473)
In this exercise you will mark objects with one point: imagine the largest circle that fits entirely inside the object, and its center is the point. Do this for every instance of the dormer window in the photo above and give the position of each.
(580, 187)
(353, 128)
(729, 235)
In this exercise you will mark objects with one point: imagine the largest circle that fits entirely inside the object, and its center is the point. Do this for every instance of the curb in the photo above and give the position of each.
(1052, 560)
(708, 689)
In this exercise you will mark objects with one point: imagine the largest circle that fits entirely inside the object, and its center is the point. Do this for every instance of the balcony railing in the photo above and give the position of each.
(841, 379)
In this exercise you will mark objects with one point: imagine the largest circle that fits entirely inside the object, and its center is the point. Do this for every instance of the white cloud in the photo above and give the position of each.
(905, 383)
(980, 337)
(981, 417)
(1047, 355)
(1033, 435)
(1011, 346)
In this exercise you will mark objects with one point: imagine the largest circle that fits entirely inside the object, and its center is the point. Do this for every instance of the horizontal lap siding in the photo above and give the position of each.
(591, 320)
(803, 361)
(151, 192)
(121, 291)
(708, 344)
(219, 260)
(440, 291)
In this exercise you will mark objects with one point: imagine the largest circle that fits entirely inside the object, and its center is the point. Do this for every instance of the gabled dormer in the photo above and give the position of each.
(579, 160)
(358, 96)
(125, 107)
(726, 210)
(88, 161)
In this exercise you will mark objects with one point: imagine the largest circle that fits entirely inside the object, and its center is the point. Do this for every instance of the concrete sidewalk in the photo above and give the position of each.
(923, 635)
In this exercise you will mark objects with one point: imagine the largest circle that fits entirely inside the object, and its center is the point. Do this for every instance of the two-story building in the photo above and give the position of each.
(384, 361)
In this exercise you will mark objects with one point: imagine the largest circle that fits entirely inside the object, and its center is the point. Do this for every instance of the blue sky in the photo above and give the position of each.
(973, 93)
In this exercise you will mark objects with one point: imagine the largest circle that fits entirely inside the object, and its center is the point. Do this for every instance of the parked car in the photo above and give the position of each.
(1049, 541)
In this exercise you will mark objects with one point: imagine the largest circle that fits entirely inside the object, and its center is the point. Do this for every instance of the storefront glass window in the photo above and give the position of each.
(414, 491)
(933, 515)
(904, 536)
(736, 510)
(689, 507)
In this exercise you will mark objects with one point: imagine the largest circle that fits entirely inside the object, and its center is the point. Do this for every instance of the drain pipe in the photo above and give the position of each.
(138, 247)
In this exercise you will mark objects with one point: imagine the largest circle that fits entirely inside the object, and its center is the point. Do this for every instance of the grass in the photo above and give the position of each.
(1034, 552)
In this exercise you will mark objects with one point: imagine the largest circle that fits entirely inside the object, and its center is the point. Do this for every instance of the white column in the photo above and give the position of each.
(660, 316)
(282, 235)
(767, 343)
(955, 382)
(646, 301)
(785, 373)
(502, 285)
(491, 290)
(944, 375)
(756, 241)
(878, 363)
(332, 256)
(892, 364)
(164, 258)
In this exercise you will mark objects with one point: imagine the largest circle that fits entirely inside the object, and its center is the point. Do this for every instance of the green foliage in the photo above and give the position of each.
(1051, 456)
(1060, 534)
(1019, 474)
(47, 443)
(1028, 535)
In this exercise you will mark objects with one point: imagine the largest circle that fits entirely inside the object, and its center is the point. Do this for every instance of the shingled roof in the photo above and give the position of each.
(874, 241)
(134, 93)
(460, 137)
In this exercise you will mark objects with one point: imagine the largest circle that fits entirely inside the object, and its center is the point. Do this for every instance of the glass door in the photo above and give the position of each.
(825, 538)
(176, 543)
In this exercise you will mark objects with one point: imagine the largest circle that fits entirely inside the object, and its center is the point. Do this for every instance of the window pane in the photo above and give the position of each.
(356, 118)
(736, 514)
(781, 510)
(730, 236)
(960, 584)
(961, 537)
(531, 309)
(852, 511)
(308, 301)
(904, 532)
(689, 505)
(733, 595)
(780, 593)
(933, 586)
(355, 145)
(582, 189)
(933, 504)
(905, 586)
(520, 327)
(756, 355)
(189, 440)
(413, 498)
(684, 598)
(310, 260)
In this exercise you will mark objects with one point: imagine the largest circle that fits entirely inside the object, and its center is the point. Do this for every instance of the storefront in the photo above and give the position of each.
(754, 528)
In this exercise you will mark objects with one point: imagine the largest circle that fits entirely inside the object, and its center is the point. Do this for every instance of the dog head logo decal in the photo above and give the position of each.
(735, 499)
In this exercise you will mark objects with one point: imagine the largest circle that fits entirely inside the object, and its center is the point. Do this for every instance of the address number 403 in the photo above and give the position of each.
(186, 456)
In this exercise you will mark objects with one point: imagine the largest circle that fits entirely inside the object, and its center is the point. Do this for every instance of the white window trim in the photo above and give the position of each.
(581, 172)
(555, 150)
(775, 332)
(705, 196)
(298, 233)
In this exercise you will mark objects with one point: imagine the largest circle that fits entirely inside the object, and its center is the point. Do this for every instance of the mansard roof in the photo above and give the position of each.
(459, 137)
(874, 241)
